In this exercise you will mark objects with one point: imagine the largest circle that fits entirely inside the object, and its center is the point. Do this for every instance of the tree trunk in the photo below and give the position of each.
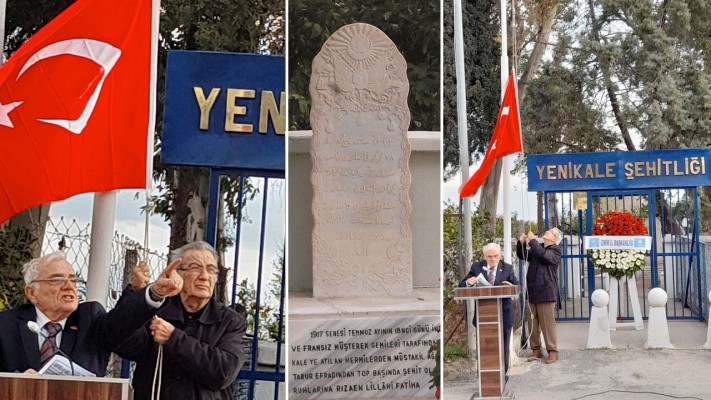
(190, 192)
(541, 227)
(609, 85)
(553, 220)
(548, 12)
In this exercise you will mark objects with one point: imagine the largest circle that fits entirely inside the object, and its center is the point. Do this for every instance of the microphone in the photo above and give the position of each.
(35, 328)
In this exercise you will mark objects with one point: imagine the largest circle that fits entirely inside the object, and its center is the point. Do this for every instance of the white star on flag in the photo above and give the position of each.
(5, 109)
(505, 111)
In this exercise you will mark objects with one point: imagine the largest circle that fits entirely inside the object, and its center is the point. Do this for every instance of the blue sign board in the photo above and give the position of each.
(224, 110)
(619, 170)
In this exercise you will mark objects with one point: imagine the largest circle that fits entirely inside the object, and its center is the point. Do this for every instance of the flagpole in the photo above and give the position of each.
(3, 17)
(463, 156)
(462, 124)
(506, 173)
(151, 126)
(102, 228)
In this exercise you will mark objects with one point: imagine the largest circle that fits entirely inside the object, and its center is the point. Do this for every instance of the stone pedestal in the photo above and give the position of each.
(658, 332)
(599, 331)
(365, 348)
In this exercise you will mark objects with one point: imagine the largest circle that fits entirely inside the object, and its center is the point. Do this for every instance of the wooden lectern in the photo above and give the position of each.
(54, 387)
(490, 337)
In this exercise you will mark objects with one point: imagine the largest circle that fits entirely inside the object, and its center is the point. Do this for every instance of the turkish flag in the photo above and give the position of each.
(505, 140)
(76, 105)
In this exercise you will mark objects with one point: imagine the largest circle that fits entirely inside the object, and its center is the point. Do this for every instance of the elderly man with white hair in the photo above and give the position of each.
(542, 283)
(496, 272)
(84, 331)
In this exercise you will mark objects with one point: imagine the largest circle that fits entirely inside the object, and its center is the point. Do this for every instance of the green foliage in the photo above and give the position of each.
(268, 315)
(414, 27)
(653, 57)
(15, 250)
(268, 306)
(559, 117)
(482, 78)
(435, 375)
(455, 351)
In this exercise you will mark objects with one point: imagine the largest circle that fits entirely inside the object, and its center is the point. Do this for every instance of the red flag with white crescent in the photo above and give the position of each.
(75, 105)
(505, 140)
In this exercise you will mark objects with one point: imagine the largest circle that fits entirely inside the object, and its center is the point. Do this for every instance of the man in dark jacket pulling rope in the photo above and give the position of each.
(542, 283)
(201, 338)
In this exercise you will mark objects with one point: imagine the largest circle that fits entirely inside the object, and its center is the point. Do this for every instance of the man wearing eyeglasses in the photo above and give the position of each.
(201, 338)
(84, 331)
(496, 272)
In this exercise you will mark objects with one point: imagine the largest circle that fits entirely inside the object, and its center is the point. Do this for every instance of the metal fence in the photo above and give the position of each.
(74, 240)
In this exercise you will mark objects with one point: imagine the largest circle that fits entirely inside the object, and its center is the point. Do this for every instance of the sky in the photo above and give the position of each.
(130, 222)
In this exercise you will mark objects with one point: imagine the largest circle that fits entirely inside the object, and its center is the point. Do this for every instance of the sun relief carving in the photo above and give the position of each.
(359, 70)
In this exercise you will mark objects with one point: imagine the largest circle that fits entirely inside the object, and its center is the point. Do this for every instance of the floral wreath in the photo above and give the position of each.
(619, 263)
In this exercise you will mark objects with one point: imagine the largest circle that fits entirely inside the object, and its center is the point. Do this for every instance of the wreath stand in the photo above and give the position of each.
(638, 324)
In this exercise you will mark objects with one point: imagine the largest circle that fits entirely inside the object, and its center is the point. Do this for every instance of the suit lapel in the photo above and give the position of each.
(29, 338)
(497, 278)
(69, 333)
(500, 273)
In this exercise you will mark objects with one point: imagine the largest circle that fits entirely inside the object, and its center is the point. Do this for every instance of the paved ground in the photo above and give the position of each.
(626, 372)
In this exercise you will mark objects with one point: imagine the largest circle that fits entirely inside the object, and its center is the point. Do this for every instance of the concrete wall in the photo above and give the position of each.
(425, 221)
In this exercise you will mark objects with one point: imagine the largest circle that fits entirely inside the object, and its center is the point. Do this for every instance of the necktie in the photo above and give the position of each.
(490, 277)
(49, 347)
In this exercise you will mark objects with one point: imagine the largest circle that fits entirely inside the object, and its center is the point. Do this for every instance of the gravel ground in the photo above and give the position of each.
(626, 372)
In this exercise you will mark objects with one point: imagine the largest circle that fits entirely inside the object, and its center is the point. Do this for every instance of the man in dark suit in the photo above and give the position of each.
(497, 273)
(85, 332)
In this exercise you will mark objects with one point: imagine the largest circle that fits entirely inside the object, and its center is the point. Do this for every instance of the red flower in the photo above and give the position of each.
(616, 223)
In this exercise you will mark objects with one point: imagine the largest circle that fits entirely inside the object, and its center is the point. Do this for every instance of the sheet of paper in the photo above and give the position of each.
(481, 280)
(60, 365)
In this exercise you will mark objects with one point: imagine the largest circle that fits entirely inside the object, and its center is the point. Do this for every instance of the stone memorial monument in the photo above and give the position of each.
(365, 334)
(362, 244)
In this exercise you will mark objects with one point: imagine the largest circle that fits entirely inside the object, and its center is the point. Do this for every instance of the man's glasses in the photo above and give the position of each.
(196, 269)
(60, 281)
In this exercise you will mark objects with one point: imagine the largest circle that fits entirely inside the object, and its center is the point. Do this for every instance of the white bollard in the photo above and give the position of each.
(708, 334)
(658, 332)
(599, 331)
